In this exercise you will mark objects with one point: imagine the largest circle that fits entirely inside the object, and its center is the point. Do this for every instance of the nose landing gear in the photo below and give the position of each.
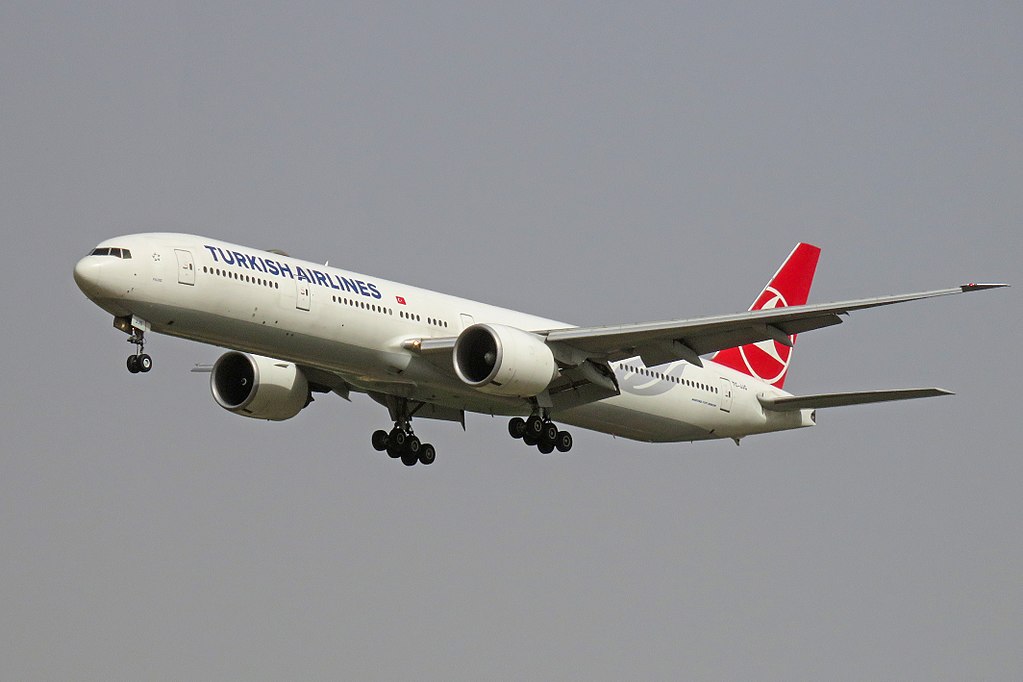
(140, 361)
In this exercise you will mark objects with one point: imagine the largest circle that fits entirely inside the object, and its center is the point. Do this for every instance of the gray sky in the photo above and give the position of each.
(593, 163)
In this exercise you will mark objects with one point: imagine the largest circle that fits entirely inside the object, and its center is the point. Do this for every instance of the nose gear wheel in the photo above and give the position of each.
(140, 361)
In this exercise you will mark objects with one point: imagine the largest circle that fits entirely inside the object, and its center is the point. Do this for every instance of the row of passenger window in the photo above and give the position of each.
(416, 318)
(355, 303)
(665, 377)
(373, 307)
(111, 251)
(241, 277)
(337, 299)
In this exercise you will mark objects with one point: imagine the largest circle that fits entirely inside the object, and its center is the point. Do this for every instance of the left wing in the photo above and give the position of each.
(661, 342)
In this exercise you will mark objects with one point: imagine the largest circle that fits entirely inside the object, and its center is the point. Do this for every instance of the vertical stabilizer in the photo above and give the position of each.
(790, 286)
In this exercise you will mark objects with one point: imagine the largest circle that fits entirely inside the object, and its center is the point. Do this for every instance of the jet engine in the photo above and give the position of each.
(504, 360)
(259, 387)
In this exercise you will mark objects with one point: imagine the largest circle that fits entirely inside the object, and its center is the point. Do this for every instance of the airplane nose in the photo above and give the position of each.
(87, 276)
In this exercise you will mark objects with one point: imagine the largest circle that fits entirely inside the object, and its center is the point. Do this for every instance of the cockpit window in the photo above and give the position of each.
(111, 251)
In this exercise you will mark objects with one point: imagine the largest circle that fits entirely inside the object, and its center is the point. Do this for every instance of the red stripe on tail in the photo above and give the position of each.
(790, 286)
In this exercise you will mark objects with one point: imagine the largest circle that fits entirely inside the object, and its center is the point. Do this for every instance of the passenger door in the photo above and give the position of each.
(186, 267)
(726, 395)
(304, 296)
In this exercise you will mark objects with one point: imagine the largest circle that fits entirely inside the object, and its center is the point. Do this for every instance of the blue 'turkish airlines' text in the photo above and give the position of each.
(279, 269)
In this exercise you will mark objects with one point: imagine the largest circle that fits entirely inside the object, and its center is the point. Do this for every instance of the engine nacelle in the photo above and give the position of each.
(259, 387)
(504, 360)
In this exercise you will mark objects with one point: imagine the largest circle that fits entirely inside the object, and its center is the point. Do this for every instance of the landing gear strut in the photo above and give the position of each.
(540, 432)
(401, 442)
(140, 361)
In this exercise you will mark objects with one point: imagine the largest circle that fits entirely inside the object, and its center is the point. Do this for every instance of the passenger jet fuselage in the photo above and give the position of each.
(293, 328)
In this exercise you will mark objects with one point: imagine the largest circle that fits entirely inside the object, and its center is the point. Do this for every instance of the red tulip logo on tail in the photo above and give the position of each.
(769, 360)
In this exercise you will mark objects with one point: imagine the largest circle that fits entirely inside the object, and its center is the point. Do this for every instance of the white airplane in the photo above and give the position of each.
(294, 328)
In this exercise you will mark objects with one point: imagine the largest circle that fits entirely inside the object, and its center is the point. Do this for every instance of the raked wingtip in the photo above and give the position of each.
(973, 286)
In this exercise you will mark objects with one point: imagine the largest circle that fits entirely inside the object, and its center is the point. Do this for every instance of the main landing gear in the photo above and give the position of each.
(541, 432)
(401, 442)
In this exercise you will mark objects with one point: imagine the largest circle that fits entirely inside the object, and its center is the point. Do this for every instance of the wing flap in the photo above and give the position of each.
(820, 400)
(332, 381)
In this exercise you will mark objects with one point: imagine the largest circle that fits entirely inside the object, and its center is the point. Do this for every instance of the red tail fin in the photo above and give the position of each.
(769, 360)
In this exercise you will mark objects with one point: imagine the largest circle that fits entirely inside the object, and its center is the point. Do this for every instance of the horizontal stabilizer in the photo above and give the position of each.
(802, 402)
